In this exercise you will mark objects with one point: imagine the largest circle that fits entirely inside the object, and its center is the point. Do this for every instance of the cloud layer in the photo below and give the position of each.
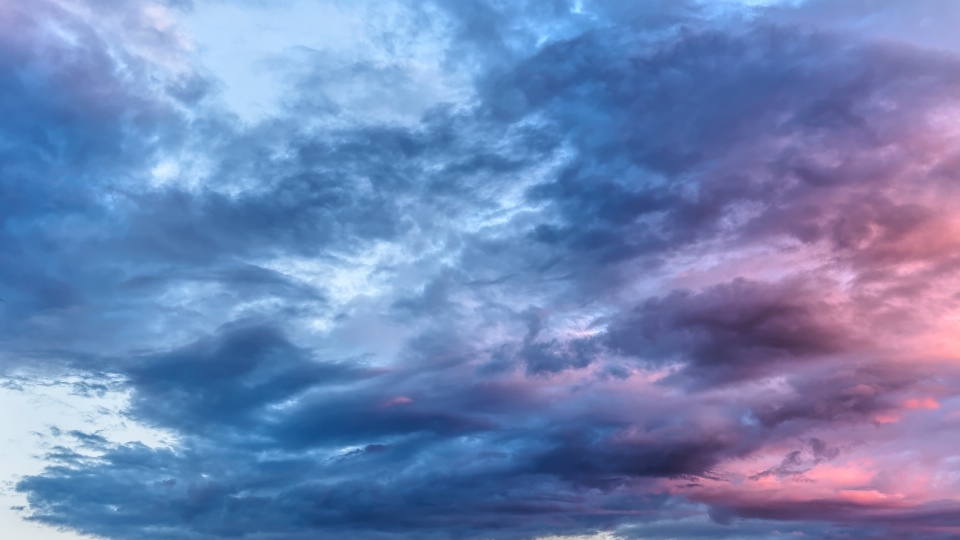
(680, 271)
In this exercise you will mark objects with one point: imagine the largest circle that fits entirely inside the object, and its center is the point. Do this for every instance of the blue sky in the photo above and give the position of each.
(479, 269)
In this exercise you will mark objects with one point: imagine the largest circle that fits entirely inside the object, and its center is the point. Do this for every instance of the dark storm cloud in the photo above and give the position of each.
(490, 418)
(733, 331)
(248, 461)
(852, 395)
(221, 381)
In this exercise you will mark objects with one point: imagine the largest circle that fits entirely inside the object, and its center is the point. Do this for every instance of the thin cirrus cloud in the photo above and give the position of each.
(477, 270)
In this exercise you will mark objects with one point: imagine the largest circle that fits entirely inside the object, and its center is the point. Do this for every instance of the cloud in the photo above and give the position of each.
(734, 330)
(677, 275)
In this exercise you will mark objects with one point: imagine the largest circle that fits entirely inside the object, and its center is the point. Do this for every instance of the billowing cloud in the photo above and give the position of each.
(682, 270)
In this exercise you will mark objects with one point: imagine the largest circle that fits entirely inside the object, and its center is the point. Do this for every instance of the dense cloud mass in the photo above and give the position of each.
(665, 270)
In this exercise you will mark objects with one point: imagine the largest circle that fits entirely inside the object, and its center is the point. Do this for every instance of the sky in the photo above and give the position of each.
(479, 269)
